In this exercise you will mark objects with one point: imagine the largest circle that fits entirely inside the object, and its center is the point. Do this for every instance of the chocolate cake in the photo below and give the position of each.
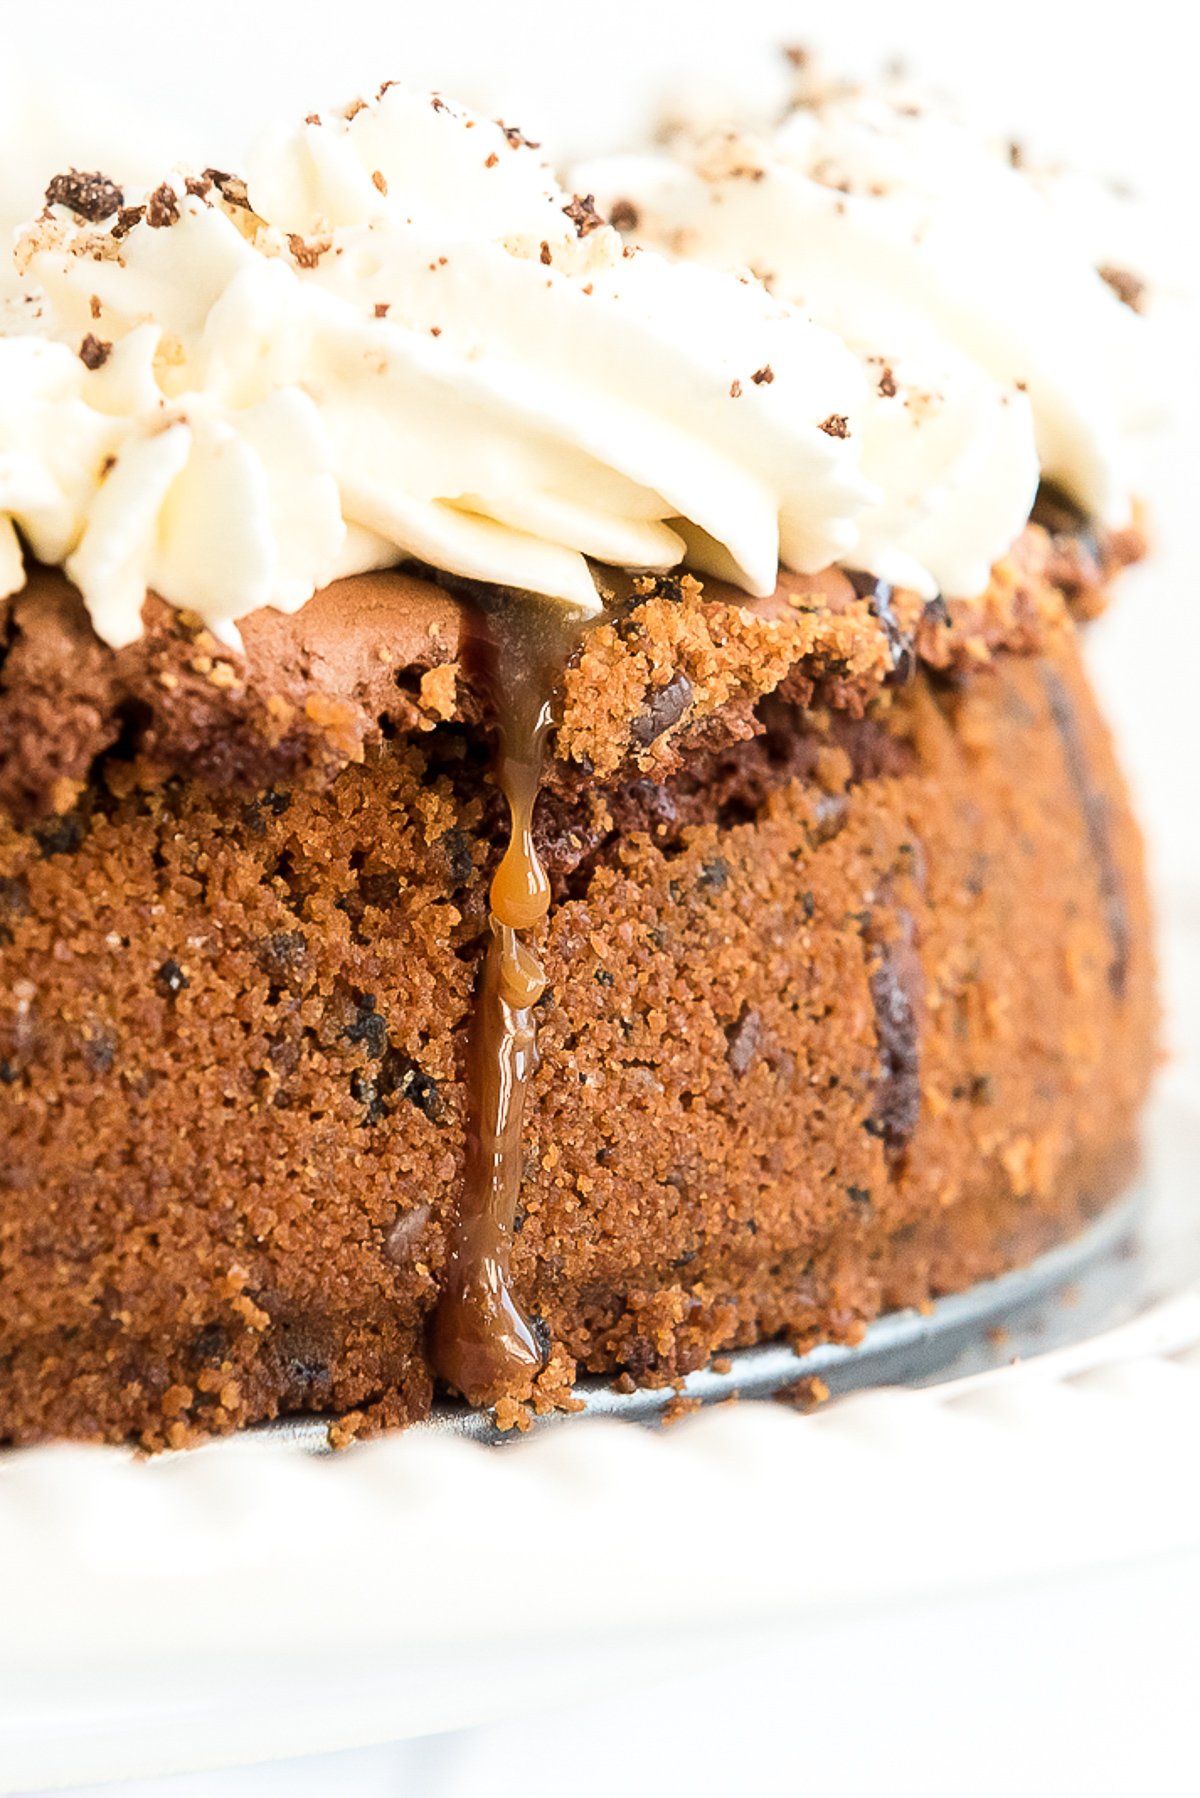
(441, 980)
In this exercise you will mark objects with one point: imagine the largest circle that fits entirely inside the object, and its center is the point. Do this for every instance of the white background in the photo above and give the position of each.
(1084, 1688)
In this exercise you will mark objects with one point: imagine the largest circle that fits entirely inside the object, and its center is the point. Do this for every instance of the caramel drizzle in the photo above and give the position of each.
(481, 1344)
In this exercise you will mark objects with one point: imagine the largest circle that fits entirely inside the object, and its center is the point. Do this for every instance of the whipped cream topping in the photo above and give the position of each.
(992, 348)
(398, 338)
(859, 338)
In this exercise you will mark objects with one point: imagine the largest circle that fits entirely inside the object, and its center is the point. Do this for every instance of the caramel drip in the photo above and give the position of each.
(481, 1344)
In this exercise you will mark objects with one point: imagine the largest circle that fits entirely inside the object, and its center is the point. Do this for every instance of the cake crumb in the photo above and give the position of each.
(439, 690)
(512, 1414)
(343, 1432)
(677, 1408)
(805, 1394)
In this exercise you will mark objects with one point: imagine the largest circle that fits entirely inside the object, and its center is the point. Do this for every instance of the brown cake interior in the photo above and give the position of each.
(850, 999)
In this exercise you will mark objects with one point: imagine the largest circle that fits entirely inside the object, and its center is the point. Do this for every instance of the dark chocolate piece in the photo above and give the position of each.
(895, 993)
(667, 706)
(1094, 807)
(902, 643)
(91, 196)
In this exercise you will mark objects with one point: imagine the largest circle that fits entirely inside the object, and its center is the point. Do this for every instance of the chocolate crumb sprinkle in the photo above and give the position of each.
(735, 389)
(887, 385)
(516, 137)
(547, 258)
(624, 216)
(231, 188)
(93, 353)
(126, 219)
(836, 425)
(762, 377)
(583, 215)
(1129, 288)
(162, 208)
(305, 254)
(91, 196)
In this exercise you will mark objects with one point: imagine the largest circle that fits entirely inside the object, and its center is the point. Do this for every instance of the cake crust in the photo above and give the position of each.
(829, 1027)
(382, 653)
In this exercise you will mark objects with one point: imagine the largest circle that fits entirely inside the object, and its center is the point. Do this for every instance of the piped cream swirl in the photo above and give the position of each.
(401, 339)
(863, 337)
(994, 351)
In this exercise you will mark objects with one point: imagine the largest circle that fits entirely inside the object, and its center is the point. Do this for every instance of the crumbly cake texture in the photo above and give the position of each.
(379, 654)
(850, 999)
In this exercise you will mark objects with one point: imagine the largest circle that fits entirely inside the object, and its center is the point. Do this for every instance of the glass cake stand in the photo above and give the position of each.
(1067, 1295)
